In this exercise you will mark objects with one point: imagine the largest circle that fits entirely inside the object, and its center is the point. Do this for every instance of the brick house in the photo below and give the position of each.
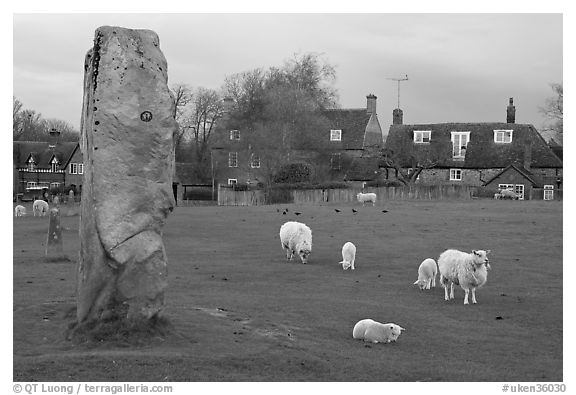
(340, 144)
(477, 154)
(40, 166)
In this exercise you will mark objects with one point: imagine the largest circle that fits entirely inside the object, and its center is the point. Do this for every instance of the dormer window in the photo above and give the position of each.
(54, 165)
(503, 136)
(422, 136)
(336, 135)
(234, 135)
(31, 164)
(459, 143)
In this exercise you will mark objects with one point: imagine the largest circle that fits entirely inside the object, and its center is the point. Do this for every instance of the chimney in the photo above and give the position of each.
(228, 103)
(527, 155)
(511, 112)
(371, 104)
(54, 136)
(397, 117)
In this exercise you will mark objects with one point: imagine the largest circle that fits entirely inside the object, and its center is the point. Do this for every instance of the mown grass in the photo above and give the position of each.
(239, 312)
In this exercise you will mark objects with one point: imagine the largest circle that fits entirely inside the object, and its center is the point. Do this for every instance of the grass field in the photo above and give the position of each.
(239, 312)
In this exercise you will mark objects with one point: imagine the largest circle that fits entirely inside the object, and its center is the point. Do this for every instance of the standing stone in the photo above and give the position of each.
(54, 242)
(127, 143)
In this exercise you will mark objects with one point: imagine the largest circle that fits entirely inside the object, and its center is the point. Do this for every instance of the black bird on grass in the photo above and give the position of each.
(336, 210)
(384, 211)
(283, 212)
(354, 211)
(297, 213)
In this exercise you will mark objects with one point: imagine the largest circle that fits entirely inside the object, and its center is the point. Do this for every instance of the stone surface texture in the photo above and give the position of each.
(127, 142)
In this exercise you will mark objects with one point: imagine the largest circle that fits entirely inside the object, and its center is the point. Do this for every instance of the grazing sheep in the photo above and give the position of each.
(296, 238)
(470, 271)
(427, 274)
(497, 196)
(375, 332)
(19, 211)
(40, 207)
(508, 194)
(348, 255)
(366, 197)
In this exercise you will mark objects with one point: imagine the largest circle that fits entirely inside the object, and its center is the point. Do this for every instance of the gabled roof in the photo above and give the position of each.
(42, 152)
(353, 124)
(523, 172)
(481, 152)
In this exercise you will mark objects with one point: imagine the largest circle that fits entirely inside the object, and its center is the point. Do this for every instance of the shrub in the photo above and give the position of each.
(293, 173)
(384, 183)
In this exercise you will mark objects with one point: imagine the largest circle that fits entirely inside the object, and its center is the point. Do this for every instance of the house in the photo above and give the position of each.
(476, 154)
(347, 136)
(40, 166)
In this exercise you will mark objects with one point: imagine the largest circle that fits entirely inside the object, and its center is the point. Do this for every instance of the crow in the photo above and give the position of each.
(336, 210)
(384, 211)
(354, 211)
(297, 213)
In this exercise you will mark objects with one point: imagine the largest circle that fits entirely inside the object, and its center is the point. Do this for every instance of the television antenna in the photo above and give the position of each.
(405, 78)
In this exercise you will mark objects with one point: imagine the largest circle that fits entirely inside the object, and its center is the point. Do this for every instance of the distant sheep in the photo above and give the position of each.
(507, 194)
(40, 207)
(375, 332)
(470, 271)
(497, 196)
(19, 211)
(427, 274)
(366, 197)
(296, 238)
(348, 255)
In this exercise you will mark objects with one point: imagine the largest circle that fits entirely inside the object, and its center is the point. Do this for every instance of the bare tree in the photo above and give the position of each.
(16, 118)
(406, 175)
(553, 110)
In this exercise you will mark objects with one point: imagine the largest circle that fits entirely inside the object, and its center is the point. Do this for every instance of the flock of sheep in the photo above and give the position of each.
(39, 207)
(468, 270)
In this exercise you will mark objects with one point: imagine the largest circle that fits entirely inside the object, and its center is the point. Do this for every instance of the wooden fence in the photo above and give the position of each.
(229, 197)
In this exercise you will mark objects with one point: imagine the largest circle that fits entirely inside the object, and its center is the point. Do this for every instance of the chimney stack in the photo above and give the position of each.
(397, 117)
(228, 103)
(54, 136)
(371, 104)
(511, 112)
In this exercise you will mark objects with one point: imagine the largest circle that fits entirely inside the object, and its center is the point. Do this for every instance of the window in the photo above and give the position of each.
(232, 181)
(335, 161)
(54, 185)
(502, 136)
(455, 174)
(31, 184)
(422, 136)
(233, 159)
(255, 161)
(73, 168)
(234, 135)
(80, 168)
(31, 164)
(336, 135)
(459, 143)
(518, 189)
(54, 165)
(548, 192)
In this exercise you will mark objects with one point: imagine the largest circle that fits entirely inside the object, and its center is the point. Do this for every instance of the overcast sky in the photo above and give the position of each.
(460, 67)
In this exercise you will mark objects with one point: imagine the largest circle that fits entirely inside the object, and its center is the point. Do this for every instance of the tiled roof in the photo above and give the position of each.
(352, 122)
(42, 152)
(481, 152)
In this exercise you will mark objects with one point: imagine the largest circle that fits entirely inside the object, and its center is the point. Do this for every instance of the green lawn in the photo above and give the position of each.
(241, 313)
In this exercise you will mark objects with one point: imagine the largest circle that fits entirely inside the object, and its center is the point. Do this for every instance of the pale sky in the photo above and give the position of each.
(460, 67)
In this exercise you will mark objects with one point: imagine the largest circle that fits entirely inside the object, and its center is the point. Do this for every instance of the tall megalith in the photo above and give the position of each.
(127, 142)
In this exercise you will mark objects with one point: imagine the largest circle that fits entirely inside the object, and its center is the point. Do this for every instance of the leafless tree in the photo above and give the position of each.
(406, 175)
(553, 110)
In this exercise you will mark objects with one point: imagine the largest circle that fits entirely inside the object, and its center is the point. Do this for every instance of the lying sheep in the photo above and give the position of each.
(507, 194)
(375, 332)
(470, 271)
(296, 238)
(366, 197)
(19, 211)
(427, 274)
(348, 255)
(40, 207)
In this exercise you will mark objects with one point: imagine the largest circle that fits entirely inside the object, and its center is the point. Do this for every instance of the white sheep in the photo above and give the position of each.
(375, 332)
(40, 207)
(427, 274)
(470, 271)
(348, 255)
(19, 211)
(366, 197)
(507, 194)
(296, 238)
(497, 196)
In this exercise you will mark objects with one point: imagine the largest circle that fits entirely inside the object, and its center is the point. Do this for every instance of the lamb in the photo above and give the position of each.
(427, 274)
(470, 271)
(19, 211)
(375, 332)
(348, 255)
(40, 207)
(296, 238)
(366, 197)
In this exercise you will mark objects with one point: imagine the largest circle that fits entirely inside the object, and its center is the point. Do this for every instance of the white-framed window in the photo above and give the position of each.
(502, 136)
(31, 164)
(232, 159)
(73, 168)
(80, 168)
(422, 136)
(455, 174)
(335, 134)
(460, 141)
(235, 134)
(518, 189)
(54, 185)
(548, 192)
(54, 165)
(31, 184)
(335, 160)
(232, 181)
(255, 161)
